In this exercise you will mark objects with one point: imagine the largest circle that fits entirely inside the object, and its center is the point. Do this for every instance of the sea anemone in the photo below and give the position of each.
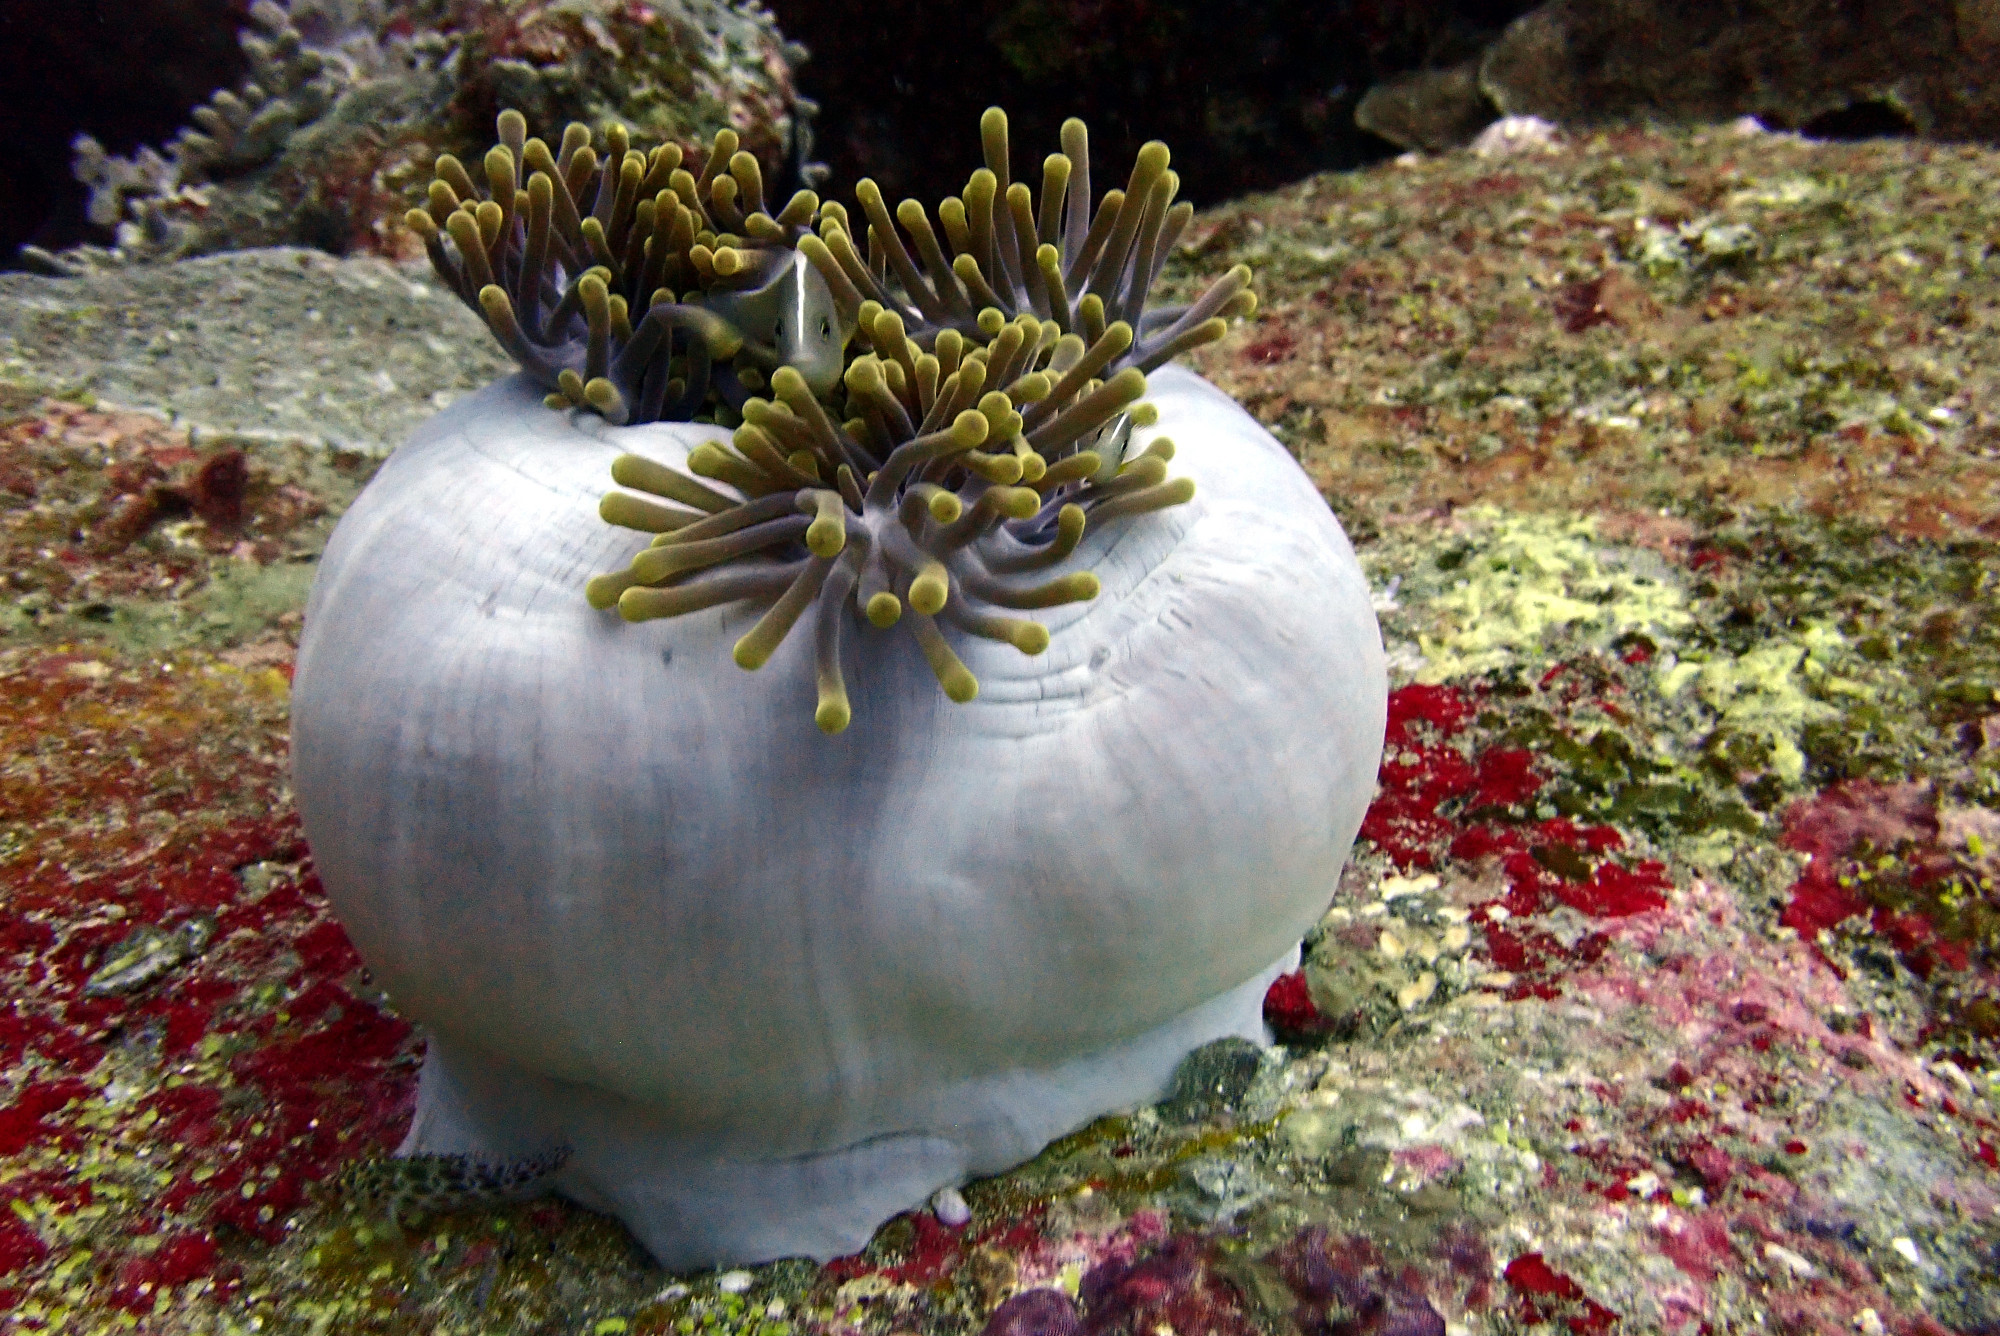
(768, 987)
(898, 506)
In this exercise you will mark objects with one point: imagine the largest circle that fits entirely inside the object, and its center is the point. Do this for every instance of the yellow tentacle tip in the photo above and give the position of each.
(489, 216)
(960, 686)
(826, 537)
(930, 589)
(1030, 388)
(750, 654)
(885, 610)
(1029, 637)
(833, 716)
(602, 591)
(1016, 503)
(864, 376)
(945, 506)
(1002, 469)
(1076, 587)
(640, 604)
(1129, 384)
(968, 429)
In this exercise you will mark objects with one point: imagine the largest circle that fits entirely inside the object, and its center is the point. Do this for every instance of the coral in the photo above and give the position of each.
(156, 199)
(289, 85)
(348, 101)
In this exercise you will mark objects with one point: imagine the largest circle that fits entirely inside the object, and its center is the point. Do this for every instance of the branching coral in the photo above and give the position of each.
(347, 102)
(290, 84)
(978, 434)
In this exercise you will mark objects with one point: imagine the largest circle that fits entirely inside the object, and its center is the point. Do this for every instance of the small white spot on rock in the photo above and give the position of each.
(1514, 134)
(733, 1282)
(1792, 1262)
(950, 1208)
(1395, 887)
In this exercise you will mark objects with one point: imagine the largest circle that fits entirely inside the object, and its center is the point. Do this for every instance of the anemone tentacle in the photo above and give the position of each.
(946, 522)
(944, 445)
(575, 263)
(1054, 258)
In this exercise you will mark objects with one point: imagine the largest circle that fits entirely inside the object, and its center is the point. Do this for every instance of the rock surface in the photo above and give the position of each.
(350, 354)
(1666, 990)
(1839, 70)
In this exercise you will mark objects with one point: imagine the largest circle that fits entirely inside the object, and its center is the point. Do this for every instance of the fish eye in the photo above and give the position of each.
(825, 327)
(778, 331)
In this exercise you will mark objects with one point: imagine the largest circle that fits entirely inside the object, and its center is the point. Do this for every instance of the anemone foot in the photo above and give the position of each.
(692, 1204)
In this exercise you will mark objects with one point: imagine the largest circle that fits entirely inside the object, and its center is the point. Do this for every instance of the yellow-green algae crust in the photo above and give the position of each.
(1526, 584)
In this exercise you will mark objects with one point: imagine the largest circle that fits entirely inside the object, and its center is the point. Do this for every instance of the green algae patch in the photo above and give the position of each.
(122, 530)
(1536, 586)
(1764, 699)
(1629, 320)
(238, 603)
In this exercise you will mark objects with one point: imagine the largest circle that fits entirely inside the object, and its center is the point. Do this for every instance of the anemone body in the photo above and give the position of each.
(769, 986)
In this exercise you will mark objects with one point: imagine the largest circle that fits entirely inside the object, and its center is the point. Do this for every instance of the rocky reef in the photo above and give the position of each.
(1661, 996)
